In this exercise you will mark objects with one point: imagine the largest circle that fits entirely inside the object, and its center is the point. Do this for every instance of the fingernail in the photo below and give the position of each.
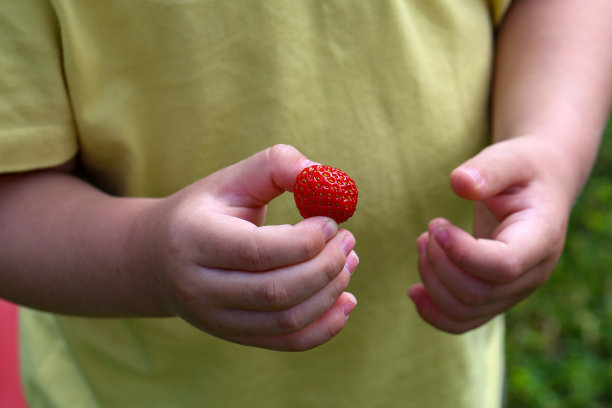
(330, 229)
(351, 262)
(349, 306)
(474, 175)
(308, 163)
(442, 237)
(348, 244)
(434, 225)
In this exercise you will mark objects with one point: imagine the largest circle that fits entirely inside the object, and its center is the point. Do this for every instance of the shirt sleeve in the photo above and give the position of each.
(498, 9)
(37, 128)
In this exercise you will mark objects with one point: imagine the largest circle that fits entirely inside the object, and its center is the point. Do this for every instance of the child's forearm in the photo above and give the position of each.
(67, 247)
(553, 79)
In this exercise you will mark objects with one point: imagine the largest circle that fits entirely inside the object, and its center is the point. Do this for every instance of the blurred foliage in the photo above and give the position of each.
(559, 340)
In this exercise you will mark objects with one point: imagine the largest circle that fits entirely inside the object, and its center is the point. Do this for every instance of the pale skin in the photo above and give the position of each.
(199, 254)
(202, 254)
(551, 100)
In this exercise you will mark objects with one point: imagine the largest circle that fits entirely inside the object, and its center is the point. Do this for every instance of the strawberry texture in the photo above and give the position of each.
(321, 190)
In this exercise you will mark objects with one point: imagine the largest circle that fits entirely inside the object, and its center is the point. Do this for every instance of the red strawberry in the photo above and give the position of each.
(324, 190)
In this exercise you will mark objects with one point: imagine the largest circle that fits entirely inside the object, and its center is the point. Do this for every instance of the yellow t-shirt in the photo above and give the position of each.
(155, 94)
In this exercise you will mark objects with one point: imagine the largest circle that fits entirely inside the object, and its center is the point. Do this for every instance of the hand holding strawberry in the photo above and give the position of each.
(274, 286)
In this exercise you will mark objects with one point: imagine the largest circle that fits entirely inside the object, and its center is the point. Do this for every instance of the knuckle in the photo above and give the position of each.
(332, 266)
(288, 321)
(276, 295)
(474, 296)
(253, 256)
(310, 247)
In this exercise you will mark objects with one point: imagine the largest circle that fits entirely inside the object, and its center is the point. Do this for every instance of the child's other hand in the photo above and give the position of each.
(278, 287)
(521, 213)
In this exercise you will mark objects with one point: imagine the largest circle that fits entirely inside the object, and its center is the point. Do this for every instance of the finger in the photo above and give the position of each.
(470, 290)
(492, 171)
(429, 312)
(453, 306)
(258, 179)
(444, 280)
(320, 331)
(233, 321)
(240, 245)
(519, 247)
(281, 288)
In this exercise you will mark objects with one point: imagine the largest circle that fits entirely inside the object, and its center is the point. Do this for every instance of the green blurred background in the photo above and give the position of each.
(559, 340)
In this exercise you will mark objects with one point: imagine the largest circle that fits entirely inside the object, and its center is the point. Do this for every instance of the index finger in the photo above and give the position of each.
(240, 245)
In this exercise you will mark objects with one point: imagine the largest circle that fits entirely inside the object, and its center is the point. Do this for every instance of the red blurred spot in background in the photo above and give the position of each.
(11, 393)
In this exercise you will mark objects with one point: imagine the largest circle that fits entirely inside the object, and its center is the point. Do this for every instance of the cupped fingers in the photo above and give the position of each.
(449, 307)
(467, 288)
(501, 260)
(285, 287)
(466, 285)
(487, 259)
(323, 329)
(432, 314)
(234, 321)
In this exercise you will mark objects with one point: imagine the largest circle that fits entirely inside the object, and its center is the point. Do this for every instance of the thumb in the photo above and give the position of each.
(496, 169)
(257, 180)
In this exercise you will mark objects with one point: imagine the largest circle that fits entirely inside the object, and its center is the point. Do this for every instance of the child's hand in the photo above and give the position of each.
(278, 287)
(521, 213)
